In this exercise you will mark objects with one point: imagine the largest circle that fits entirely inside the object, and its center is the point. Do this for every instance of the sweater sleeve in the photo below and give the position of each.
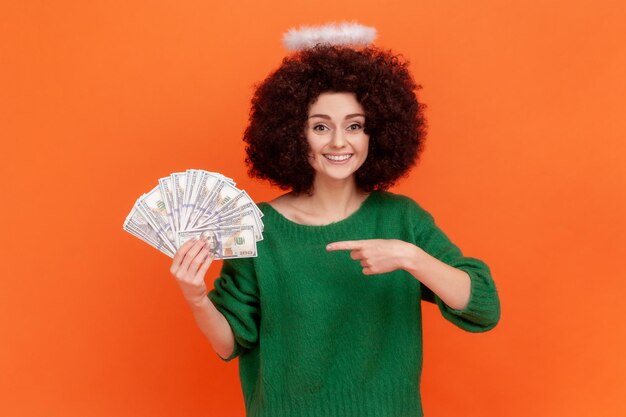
(483, 310)
(236, 296)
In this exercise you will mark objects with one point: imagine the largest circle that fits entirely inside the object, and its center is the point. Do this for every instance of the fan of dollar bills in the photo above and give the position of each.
(196, 204)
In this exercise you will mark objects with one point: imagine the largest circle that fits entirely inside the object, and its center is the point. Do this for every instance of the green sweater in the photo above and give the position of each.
(317, 338)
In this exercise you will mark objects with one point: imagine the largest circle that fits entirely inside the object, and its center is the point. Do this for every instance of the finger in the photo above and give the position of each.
(180, 255)
(365, 264)
(356, 255)
(191, 254)
(345, 245)
(197, 261)
(205, 267)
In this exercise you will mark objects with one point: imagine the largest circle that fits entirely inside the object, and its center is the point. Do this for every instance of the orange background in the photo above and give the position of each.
(524, 167)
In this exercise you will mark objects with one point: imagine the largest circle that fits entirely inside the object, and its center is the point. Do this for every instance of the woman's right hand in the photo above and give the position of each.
(189, 266)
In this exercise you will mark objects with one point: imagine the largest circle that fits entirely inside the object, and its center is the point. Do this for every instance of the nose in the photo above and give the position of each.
(338, 139)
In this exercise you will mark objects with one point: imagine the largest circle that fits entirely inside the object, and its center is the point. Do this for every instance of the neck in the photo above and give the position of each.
(336, 199)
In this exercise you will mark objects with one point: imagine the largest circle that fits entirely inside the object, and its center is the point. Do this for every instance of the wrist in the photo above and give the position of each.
(198, 303)
(413, 259)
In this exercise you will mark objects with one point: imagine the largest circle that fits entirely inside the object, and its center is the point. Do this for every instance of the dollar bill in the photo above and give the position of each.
(158, 245)
(165, 185)
(188, 197)
(197, 203)
(241, 208)
(153, 208)
(179, 181)
(137, 224)
(225, 243)
(221, 193)
(207, 185)
(226, 204)
(245, 217)
(240, 202)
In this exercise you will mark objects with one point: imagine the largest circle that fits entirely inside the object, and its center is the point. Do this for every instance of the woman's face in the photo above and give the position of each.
(334, 130)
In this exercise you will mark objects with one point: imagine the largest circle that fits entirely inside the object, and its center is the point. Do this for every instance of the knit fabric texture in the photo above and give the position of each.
(316, 337)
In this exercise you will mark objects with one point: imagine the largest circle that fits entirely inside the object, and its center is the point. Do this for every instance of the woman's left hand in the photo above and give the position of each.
(378, 256)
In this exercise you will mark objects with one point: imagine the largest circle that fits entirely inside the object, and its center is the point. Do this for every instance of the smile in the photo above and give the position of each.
(338, 158)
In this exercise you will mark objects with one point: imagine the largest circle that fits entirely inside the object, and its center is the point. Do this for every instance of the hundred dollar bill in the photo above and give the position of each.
(240, 207)
(206, 187)
(222, 193)
(158, 245)
(229, 204)
(193, 191)
(225, 178)
(139, 221)
(199, 190)
(238, 202)
(192, 177)
(225, 243)
(179, 180)
(137, 224)
(165, 185)
(245, 217)
(153, 208)
(199, 202)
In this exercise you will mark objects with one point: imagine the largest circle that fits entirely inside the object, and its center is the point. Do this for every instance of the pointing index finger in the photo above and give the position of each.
(344, 245)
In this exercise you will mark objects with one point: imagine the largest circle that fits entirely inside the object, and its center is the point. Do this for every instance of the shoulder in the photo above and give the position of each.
(279, 204)
(406, 205)
(284, 200)
(404, 211)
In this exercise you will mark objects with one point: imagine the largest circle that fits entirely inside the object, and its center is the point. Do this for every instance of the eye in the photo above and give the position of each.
(320, 128)
(355, 126)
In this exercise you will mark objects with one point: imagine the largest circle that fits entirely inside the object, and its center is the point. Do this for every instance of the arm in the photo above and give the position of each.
(189, 266)
(461, 286)
(378, 256)
(450, 284)
(236, 296)
(482, 311)
(215, 327)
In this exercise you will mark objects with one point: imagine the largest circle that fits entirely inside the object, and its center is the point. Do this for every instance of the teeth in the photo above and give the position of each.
(338, 157)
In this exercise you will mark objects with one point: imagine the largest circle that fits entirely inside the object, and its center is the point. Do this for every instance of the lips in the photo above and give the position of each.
(338, 158)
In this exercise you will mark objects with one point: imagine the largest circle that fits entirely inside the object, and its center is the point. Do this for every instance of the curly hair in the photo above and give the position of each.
(277, 148)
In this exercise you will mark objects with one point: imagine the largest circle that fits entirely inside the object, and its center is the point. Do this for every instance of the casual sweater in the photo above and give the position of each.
(316, 337)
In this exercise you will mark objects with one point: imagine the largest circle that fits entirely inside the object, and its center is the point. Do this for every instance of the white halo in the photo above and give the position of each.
(331, 34)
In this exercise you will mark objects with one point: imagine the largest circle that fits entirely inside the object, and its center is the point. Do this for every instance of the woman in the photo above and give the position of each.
(326, 321)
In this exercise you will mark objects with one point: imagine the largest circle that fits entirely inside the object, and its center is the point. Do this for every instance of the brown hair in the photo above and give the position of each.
(277, 149)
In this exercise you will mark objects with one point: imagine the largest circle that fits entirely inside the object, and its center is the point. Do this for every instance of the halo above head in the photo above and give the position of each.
(349, 34)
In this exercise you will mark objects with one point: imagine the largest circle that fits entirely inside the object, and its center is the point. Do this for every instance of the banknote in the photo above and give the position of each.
(165, 186)
(225, 243)
(179, 181)
(206, 188)
(153, 208)
(137, 224)
(238, 218)
(197, 203)
(230, 205)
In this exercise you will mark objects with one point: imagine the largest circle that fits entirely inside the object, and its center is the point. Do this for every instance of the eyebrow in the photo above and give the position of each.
(325, 116)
